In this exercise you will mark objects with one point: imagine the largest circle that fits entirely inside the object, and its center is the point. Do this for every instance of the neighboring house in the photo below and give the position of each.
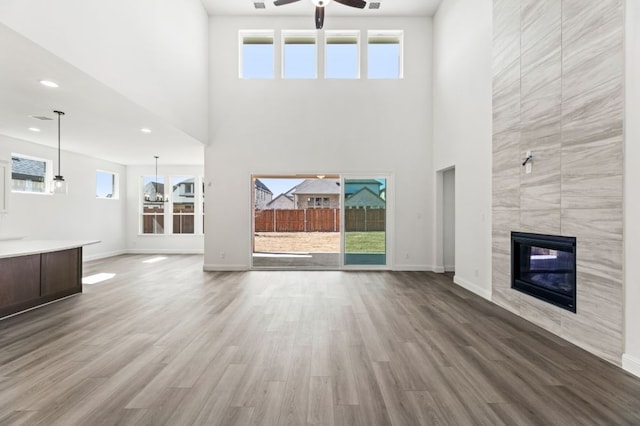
(154, 191)
(352, 186)
(184, 192)
(262, 195)
(364, 198)
(317, 193)
(281, 202)
(28, 175)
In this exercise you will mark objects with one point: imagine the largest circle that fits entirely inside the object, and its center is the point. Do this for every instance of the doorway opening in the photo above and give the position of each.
(445, 220)
(296, 221)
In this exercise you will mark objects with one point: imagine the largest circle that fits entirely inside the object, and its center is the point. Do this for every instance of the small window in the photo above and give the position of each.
(299, 57)
(106, 184)
(342, 54)
(30, 174)
(256, 55)
(384, 51)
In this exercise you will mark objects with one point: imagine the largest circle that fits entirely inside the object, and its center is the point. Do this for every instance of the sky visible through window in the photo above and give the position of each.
(341, 60)
(299, 61)
(257, 61)
(384, 60)
(104, 184)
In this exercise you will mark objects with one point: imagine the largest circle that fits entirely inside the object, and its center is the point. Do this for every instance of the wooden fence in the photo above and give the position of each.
(318, 220)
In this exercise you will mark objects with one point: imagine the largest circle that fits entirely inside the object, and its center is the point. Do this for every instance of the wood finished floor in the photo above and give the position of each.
(166, 343)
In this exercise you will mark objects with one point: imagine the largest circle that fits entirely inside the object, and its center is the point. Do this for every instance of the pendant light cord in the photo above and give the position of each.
(156, 186)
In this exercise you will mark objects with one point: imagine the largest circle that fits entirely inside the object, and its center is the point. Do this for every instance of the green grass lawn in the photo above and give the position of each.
(365, 242)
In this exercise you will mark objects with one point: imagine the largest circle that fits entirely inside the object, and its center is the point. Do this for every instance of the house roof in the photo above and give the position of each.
(278, 198)
(365, 198)
(363, 182)
(318, 186)
(262, 186)
(27, 167)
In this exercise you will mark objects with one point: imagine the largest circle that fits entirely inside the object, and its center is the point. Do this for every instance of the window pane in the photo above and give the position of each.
(365, 221)
(183, 199)
(342, 56)
(299, 57)
(153, 199)
(105, 184)
(257, 60)
(385, 56)
(28, 174)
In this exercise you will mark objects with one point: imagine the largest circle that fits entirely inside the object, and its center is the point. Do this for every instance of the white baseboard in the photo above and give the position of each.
(474, 288)
(165, 251)
(438, 269)
(211, 267)
(105, 255)
(450, 268)
(419, 268)
(631, 364)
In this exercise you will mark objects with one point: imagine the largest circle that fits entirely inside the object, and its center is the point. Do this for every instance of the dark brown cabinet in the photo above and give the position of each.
(28, 281)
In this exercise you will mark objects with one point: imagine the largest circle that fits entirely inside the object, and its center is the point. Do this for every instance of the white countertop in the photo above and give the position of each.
(15, 248)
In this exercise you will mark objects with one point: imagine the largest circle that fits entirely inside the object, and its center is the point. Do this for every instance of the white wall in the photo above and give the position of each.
(462, 129)
(631, 358)
(78, 215)
(319, 126)
(165, 243)
(152, 51)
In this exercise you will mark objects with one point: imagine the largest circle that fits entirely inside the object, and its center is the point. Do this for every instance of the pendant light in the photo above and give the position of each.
(59, 184)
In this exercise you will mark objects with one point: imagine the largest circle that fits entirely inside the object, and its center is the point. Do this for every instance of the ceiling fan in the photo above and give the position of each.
(320, 4)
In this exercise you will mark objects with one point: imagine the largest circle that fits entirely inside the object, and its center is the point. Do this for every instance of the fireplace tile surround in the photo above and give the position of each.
(558, 91)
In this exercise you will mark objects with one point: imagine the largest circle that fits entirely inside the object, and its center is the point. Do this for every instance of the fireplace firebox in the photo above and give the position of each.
(544, 266)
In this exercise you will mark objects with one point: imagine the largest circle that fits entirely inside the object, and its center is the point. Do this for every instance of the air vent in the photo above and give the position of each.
(41, 117)
(374, 5)
(259, 5)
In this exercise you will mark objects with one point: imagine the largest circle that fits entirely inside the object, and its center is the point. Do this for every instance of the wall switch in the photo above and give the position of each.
(527, 168)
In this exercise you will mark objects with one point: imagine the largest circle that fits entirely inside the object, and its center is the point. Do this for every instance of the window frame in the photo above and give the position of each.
(345, 34)
(265, 35)
(115, 193)
(172, 203)
(48, 178)
(301, 34)
(390, 35)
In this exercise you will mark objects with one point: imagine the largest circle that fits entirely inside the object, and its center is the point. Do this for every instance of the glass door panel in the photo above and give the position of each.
(365, 221)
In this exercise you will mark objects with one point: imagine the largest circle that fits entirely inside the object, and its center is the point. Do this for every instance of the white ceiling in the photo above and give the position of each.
(99, 122)
(306, 7)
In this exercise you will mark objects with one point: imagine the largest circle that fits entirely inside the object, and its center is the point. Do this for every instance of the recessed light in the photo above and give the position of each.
(48, 83)
(145, 130)
(34, 129)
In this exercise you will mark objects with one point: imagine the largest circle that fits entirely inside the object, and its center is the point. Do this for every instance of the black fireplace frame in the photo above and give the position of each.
(553, 242)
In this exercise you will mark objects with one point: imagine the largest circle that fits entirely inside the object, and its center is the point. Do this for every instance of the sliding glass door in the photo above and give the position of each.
(365, 221)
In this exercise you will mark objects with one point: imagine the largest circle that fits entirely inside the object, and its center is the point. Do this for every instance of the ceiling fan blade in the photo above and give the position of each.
(319, 17)
(281, 2)
(360, 4)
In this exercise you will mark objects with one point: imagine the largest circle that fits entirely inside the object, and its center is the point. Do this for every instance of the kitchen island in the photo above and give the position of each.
(35, 272)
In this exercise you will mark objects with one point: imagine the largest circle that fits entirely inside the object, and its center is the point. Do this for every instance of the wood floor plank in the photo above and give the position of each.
(169, 344)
